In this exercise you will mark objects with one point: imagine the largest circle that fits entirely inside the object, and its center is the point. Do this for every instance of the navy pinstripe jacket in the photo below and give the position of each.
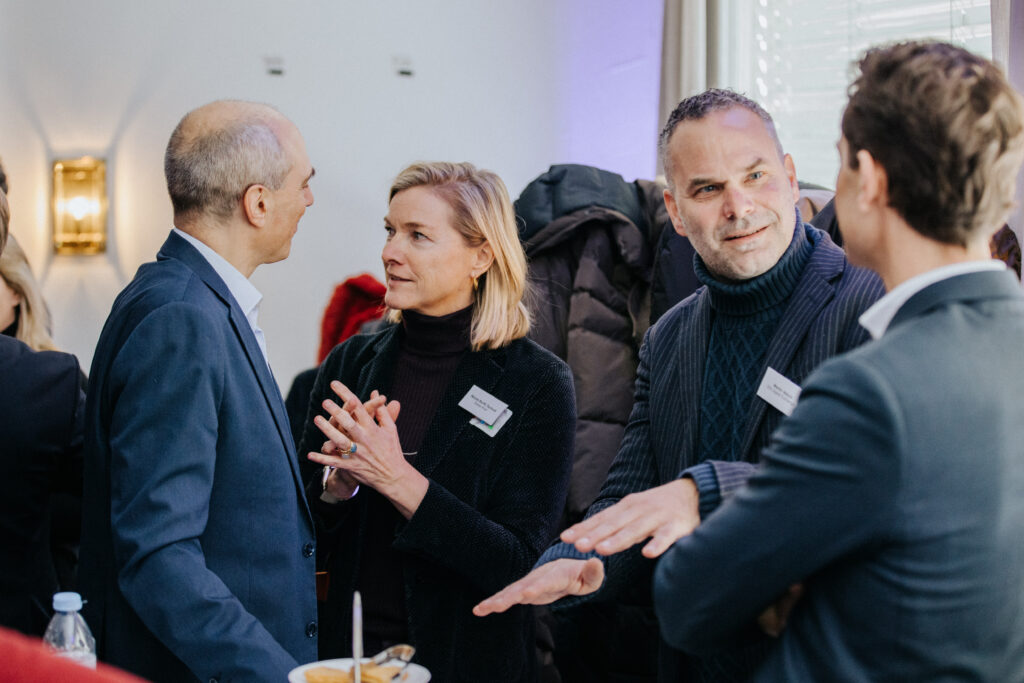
(661, 438)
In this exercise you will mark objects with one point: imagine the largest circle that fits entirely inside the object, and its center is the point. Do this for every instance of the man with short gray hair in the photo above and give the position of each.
(717, 373)
(197, 545)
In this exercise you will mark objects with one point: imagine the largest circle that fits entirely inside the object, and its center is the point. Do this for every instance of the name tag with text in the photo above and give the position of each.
(483, 406)
(779, 391)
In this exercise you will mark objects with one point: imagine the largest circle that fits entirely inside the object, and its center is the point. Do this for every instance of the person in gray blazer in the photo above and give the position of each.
(198, 556)
(894, 494)
(718, 372)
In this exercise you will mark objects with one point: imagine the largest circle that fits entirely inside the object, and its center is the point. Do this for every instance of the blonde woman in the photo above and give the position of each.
(23, 313)
(430, 513)
(41, 409)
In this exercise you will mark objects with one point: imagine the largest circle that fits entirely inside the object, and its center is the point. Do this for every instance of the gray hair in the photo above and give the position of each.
(697, 107)
(209, 167)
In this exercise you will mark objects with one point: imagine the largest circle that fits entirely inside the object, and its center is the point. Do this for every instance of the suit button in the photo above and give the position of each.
(307, 550)
(311, 629)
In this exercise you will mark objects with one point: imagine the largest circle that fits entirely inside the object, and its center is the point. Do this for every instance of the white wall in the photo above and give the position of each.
(511, 86)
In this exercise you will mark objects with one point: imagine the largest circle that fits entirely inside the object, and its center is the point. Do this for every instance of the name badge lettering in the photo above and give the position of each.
(779, 391)
(482, 405)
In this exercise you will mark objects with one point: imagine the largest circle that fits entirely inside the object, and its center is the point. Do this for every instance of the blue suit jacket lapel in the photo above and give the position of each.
(177, 248)
(812, 294)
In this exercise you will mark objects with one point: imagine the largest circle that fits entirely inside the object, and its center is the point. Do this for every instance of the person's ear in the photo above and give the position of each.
(787, 163)
(673, 212)
(872, 182)
(255, 201)
(484, 259)
(18, 298)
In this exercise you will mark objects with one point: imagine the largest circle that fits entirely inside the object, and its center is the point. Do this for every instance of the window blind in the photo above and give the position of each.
(795, 57)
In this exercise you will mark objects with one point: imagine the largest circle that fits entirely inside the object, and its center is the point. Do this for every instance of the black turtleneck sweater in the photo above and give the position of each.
(429, 352)
(745, 315)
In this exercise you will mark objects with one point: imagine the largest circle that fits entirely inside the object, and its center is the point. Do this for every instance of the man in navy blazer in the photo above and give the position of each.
(197, 545)
(719, 371)
(894, 494)
(41, 411)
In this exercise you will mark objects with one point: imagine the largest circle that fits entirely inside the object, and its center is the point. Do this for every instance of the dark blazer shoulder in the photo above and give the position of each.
(179, 274)
(359, 350)
(20, 363)
(829, 262)
(837, 293)
(965, 288)
(43, 387)
(526, 356)
(157, 285)
(680, 316)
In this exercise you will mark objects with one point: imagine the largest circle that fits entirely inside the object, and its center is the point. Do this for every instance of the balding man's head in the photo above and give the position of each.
(220, 149)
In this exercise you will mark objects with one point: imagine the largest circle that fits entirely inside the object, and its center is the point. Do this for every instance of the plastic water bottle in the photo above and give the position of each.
(67, 634)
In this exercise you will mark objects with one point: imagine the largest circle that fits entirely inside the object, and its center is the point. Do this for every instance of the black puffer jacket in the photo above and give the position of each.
(603, 258)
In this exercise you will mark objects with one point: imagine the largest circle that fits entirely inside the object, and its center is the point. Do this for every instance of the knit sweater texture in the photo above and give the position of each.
(745, 315)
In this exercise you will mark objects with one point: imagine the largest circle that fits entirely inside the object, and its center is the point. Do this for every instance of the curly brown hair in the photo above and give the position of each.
(948, 130)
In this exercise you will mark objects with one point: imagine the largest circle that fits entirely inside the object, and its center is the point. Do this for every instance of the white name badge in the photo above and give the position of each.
(778, 391)
(492, 429)
(482, 405)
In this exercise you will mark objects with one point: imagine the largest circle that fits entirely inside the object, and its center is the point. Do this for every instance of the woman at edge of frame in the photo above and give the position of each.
(431, 511)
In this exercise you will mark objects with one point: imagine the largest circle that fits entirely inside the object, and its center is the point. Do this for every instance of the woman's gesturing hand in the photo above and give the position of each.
(339, 484)
(363, 442)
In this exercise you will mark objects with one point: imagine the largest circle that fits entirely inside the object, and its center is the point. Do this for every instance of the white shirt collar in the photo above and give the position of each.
(876, 319)
(244, 292)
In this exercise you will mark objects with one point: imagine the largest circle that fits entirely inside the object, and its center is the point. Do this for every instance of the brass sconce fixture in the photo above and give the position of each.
(79, 206)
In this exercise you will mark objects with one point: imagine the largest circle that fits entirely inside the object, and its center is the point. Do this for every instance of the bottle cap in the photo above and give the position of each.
(67, 602)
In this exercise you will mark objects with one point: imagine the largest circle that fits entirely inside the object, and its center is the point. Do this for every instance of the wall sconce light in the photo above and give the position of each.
(79, 206)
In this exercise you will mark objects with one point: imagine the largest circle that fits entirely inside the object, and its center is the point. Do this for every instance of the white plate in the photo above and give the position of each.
(413, 674)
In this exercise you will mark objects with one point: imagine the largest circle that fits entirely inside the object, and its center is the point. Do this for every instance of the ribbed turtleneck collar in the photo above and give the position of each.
(439, 335)
(765, 291)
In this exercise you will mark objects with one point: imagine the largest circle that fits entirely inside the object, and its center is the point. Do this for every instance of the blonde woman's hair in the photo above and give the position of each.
(5, 217)
(482, 213)
(33, 317)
